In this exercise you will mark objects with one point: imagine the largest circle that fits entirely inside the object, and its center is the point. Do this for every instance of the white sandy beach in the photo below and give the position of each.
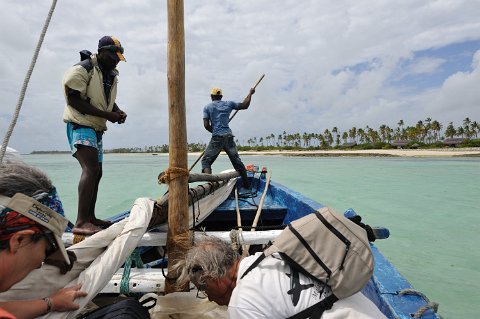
(441, 152)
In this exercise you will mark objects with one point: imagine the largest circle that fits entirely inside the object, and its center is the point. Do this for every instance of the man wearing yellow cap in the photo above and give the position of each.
(90, 89)
(215, 120)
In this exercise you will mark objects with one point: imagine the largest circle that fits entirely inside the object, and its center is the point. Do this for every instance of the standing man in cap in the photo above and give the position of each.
(216, 116)
(30, 232)
(90, 89)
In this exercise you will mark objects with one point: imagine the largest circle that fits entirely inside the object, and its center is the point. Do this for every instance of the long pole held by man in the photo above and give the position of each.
(236, 111)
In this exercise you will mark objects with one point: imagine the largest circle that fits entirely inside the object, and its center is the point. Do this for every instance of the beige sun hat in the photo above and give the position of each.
(40, 214)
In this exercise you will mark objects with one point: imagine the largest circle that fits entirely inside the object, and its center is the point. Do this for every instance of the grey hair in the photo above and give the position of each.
(23, 178)
(209, 258)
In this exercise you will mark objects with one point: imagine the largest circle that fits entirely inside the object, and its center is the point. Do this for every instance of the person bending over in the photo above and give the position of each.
(270, 290)
(30, 232)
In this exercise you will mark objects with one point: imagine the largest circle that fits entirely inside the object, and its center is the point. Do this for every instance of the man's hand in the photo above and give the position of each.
(123, 118)
(64, 299)
(252, 91)
(116, 117)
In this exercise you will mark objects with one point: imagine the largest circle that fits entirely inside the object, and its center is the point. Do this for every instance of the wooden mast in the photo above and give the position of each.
(178, 152)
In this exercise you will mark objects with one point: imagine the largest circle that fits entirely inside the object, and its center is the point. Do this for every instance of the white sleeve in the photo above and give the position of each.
(354, 307)
(243, 313)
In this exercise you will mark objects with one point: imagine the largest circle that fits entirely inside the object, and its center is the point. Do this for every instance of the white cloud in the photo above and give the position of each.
(326, 64)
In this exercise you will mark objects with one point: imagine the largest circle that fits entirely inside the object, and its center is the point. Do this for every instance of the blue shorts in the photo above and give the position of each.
(85, 136)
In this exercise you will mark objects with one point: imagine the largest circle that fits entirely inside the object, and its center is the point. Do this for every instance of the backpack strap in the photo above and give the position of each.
(316, 311)
(254, 264)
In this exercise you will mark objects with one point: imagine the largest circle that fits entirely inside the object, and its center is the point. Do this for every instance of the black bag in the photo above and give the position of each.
(124, 309)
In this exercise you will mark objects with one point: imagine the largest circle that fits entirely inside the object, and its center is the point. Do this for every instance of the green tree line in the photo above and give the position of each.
(424, 134)
(427, 133)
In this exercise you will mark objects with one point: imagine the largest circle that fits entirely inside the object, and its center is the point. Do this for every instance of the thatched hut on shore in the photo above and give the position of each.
(400, 143)
(453, 142)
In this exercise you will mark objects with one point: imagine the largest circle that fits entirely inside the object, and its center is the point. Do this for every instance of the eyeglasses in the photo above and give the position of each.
(201, 294)
(201, 288)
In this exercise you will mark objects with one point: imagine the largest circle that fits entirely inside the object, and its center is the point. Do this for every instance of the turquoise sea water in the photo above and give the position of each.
(430, 205)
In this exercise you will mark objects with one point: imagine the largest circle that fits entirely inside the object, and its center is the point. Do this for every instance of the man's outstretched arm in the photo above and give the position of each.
(246, 102)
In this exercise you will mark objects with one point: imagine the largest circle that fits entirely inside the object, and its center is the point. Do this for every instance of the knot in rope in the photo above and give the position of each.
(234, 239)
(171, 173)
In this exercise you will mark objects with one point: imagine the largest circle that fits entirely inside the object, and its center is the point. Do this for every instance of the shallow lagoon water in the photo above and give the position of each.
(430, 205)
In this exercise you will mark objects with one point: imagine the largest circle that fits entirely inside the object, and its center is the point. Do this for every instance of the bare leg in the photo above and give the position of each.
(96, 221)
(87, 190)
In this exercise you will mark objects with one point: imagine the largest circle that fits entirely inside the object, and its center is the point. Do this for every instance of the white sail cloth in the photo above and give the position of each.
(103, 254)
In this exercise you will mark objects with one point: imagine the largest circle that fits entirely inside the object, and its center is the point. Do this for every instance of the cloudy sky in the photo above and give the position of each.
(338, 63)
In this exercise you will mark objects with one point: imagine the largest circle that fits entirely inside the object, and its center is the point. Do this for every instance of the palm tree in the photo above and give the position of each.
(450, 131)
(352, 133)
(466, 127)
(383, 132)
(335, 131)
(428, 127)
(436, 127)
(474, 126)
(420, 131)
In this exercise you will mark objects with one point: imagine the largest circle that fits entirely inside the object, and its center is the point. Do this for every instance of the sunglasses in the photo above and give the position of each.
(113, 48)
(52, 244)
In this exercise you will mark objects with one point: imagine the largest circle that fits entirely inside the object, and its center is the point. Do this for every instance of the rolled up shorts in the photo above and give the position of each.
(84, 136)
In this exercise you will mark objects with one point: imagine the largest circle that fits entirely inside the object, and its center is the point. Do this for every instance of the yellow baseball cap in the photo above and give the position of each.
(216, 91)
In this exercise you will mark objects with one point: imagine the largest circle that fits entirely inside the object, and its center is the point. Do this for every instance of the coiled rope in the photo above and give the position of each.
(421, 311)
(25, 82)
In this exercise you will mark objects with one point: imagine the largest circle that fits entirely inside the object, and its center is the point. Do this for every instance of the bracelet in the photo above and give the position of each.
(49, 304)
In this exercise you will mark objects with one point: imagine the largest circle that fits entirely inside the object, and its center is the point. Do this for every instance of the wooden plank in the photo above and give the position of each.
(160, 239)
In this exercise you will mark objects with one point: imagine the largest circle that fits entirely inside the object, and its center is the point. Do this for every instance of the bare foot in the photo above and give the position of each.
(86, 229)
(101, 223)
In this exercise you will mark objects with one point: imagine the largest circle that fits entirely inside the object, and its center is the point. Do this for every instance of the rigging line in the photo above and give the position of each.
(25, 82)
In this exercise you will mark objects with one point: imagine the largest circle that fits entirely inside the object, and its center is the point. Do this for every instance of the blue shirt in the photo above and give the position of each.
(218, 112)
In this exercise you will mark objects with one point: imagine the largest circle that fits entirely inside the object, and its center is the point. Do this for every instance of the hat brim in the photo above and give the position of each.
(61, 247)
(120, 56)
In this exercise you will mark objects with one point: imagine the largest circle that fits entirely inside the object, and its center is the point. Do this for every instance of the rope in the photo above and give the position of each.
(25, 83)
(133, 259)
(171, 173)
(234, 239)
(78, 238)
(421, 311)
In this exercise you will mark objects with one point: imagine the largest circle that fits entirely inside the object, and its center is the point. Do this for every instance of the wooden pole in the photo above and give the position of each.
(178, 187)
(259, 212)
